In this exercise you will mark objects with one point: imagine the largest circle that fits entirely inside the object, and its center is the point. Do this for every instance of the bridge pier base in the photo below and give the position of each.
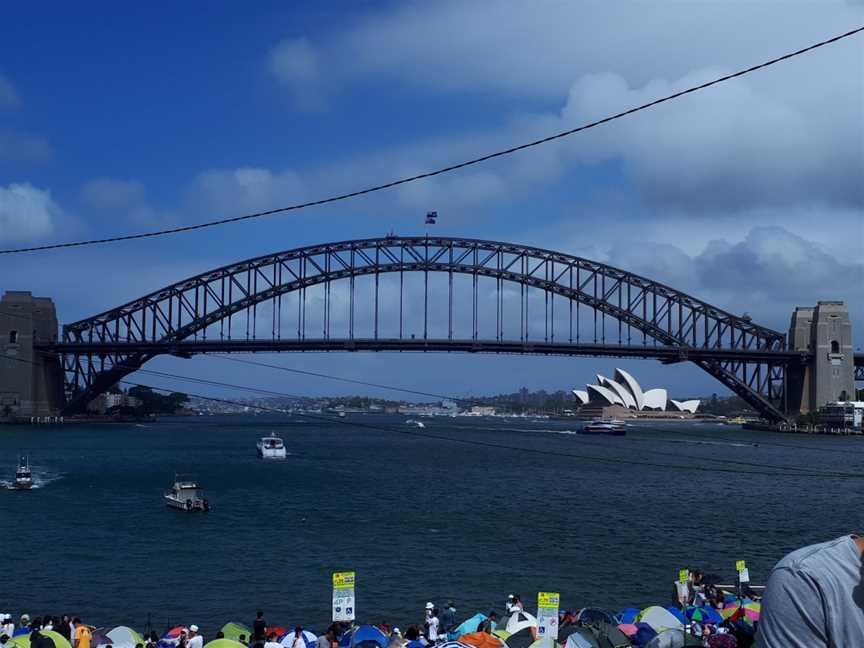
(826, 332)
(31, 381)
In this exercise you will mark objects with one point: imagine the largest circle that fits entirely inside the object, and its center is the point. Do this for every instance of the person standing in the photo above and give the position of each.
(433, 627)
(83, 635)
(328, 639)
(813, 597)
(195, 638)
(448, 618)
(259, 627)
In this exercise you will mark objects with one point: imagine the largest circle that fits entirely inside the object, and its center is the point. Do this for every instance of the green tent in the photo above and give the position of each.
(233, 631)
(224, 643)
(23, 641)
(124, 637)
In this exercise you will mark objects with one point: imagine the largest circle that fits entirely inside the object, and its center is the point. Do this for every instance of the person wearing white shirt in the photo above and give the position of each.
(195, 639)
(272, 643)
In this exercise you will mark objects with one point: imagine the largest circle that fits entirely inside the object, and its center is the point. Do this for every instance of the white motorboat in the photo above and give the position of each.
(23, 476)
(271, 447)
(599, 426)
(186, 495)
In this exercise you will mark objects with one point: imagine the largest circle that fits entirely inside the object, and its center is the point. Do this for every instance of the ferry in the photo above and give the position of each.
(271, 447)
(186, 495)
(23, 476)
(599, 426)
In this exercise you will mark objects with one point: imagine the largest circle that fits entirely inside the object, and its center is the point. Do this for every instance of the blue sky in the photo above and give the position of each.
(749, 195)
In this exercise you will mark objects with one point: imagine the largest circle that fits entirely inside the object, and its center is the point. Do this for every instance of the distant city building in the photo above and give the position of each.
(625, 391)
(482, 410)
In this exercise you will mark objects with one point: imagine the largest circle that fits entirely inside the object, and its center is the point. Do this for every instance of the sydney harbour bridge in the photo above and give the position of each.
(442, 294)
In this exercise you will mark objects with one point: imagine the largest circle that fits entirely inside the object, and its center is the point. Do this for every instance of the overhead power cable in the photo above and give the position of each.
(442, 170)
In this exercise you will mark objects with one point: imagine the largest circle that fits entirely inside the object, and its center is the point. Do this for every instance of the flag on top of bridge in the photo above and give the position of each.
(431, 217)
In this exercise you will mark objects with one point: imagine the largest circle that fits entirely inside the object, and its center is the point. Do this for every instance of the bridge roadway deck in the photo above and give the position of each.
(668, 354)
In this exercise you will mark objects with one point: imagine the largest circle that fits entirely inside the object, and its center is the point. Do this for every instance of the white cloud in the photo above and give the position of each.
(9, 98)
(19, 146)
(234, 191)
(112, 193)
(536, 50)
(26, 213)
(295, 63)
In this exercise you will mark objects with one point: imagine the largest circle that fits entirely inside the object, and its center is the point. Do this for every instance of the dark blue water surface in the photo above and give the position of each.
(417, 518)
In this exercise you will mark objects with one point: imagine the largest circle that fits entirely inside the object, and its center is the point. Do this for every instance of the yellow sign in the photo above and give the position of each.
(548, 599)
(343, 580)
(683, 575)
(740, 565)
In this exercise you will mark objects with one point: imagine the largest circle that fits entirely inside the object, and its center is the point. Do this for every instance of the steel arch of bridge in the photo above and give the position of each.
(748, 358)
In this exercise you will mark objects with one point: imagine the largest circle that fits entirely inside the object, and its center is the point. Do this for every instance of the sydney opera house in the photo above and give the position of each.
(626, 392)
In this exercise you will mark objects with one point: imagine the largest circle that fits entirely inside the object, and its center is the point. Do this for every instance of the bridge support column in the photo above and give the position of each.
(31, 382)
(830, 376)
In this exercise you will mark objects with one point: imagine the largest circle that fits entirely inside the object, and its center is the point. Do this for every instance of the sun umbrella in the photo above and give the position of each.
(522, 639)
(174, 632)
(233, 630)
(287, 639)
(224, 643)
(99, 637)
(628, 629)
(124, 637)
(519, 621)
(453, 644)
(482, 640)
(582, 638)
(659, 618)
(610, 636)
(565, 630)
(279, 631)
(703, 614)
(678, 614)
(501, 633)
(544, 642)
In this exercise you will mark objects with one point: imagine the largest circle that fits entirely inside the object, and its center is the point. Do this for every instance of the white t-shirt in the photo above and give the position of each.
(433, 628)
(196, 642)
(274, 644)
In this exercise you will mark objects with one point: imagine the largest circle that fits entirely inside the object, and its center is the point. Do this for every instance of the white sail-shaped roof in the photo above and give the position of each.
(624, 378)
(603, 394)
(655, 399)
(684, 406)
(581, 396)
(622, 392)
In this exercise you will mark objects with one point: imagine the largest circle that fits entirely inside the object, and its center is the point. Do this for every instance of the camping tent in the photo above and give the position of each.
(659, 618)
(467, 626)
(233, 630)
(366, 635)
(124, 637)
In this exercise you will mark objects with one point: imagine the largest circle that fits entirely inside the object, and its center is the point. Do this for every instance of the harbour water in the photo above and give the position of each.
(417, 518)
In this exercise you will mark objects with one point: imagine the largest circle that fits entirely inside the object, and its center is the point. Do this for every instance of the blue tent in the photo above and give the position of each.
(367, 635)
(628, 615)
(468, 625)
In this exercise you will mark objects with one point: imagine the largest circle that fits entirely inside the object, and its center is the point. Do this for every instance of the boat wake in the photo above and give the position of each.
(40, 480)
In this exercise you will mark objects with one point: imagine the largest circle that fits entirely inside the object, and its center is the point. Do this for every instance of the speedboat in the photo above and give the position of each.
(599, 426)
(23, 476)
(186, 495)
(271, 447)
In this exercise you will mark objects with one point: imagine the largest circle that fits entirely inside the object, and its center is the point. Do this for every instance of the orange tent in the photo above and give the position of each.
(481, 640)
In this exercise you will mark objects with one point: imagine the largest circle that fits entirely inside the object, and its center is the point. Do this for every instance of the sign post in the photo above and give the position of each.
(682, 587)
(343, 596)
(547, 616)
(743, 576)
